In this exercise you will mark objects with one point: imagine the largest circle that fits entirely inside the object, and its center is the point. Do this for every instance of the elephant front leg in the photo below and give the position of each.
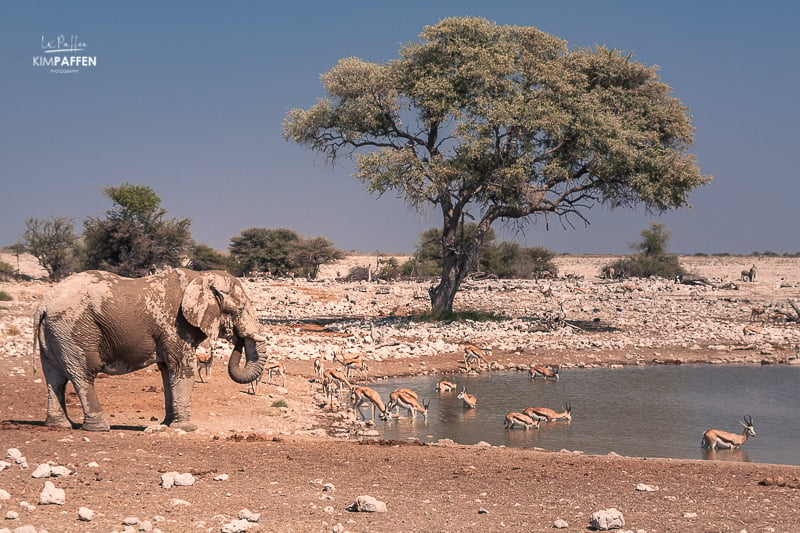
(177, 398)
(93, 418)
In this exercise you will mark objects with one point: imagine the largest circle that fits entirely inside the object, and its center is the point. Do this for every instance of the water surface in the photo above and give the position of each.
(658, 411)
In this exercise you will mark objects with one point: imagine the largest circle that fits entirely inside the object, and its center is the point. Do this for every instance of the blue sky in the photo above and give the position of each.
(189, 98)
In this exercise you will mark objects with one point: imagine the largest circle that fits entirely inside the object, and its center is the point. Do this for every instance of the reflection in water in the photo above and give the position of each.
(645, 412)
(735, 454)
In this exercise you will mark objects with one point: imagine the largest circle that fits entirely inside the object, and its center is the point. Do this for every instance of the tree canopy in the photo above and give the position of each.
(489, 122)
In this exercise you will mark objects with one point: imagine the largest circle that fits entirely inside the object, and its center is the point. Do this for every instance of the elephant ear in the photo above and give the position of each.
(203, 305)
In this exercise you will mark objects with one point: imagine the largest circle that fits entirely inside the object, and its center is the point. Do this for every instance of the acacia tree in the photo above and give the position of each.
(488, 122)
(310, 254)
(51, 242)
(263, 249)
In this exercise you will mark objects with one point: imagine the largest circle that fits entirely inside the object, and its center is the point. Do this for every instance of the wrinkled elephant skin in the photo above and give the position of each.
(96, 322)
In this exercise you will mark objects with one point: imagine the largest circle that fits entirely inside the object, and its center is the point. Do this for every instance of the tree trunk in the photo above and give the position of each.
(454, 270)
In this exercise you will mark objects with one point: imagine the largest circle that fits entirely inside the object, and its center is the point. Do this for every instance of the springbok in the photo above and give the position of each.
(548, 415)
(446, 386)
(318, 368)
(270, 369)
(470, 401)
(393, 404)
(361, 395)
(204, 360)
(757, 312)
(514, 419)
(410, 403)
(474, 354)
(716, 438)
(547, 372)
(354, 363)
(334, 379)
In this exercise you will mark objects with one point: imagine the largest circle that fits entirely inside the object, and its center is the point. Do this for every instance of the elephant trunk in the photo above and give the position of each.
(254, 362)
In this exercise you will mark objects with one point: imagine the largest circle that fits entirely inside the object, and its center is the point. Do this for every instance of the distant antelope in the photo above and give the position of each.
(318, 368)
(546, 372)
(779, 317)
(204, 360)
(514, 419)
(362, 395)
(470, 401)
(548, 415)
(716, 438)
(474, 354)
(446, 386)
(751, 330)
(757, 312)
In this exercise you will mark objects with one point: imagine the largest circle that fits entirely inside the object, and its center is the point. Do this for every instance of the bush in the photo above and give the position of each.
(280, 403)
(653, 259)
(5, 297)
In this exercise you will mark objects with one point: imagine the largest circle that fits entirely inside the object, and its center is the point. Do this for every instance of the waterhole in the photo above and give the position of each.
(658, 411)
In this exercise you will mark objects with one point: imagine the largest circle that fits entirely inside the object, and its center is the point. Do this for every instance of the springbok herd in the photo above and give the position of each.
(336, 385)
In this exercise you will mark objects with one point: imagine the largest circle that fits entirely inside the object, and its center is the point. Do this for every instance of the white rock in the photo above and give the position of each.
(560, 524)
(4, 495)
(27, 506)
(15, 455)
(237, 526)
(368, 504)
(25, 529)
(177, 501)
(12, 515)
(41, 471)
(52, 495)
(247, 514)
(646, 488)
(130, 521)
(168, 479)
(4, 465)
(85, 514)
(93, 464)
(59, 471)
(221, 477)
(607, 519)
(184, 480)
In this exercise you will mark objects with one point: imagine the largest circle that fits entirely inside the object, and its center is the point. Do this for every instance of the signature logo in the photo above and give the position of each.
(64, 54)
(62, 44)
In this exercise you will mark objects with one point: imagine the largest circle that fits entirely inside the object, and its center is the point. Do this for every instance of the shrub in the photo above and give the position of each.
(5, 297)
(652, 259)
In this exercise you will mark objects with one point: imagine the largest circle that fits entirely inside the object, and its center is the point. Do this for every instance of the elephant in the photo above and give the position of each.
(96, 321)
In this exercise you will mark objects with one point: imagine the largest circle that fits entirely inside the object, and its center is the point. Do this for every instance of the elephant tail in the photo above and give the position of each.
(38, 317)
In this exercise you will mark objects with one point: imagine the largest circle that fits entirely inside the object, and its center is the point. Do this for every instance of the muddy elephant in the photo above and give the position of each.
(97, 321)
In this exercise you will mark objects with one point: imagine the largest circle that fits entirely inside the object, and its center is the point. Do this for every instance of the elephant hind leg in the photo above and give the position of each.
(56, 399)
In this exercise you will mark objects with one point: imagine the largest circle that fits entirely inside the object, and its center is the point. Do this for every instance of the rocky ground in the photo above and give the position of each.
(256, 455)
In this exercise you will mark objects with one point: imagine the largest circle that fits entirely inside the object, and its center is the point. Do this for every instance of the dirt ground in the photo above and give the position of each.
(277, 461)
